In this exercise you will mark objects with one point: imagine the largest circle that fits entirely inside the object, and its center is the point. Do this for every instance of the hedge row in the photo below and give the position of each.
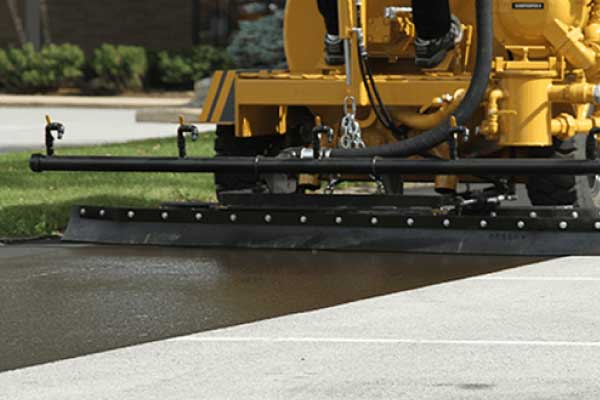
(114, 69)
(111, 69)
(25, 70)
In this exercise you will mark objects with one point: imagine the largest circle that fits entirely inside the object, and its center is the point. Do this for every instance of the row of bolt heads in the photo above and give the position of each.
(563, 225)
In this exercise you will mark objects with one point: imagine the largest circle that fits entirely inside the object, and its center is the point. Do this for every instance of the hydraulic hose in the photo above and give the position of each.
(470, 104)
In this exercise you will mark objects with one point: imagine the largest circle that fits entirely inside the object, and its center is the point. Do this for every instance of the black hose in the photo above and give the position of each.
(381, 112)
(379, 108)
(469, 105)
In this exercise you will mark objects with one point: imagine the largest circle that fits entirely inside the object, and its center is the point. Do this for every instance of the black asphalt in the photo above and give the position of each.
(62, 301)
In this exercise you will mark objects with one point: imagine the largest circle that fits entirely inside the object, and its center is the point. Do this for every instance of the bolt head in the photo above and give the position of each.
(199, 216)
(563, 225)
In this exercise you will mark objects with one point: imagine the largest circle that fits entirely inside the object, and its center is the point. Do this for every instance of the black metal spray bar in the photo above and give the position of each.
(264, 165)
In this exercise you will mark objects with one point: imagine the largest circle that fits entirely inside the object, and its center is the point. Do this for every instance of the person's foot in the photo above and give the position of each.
(334, 50)
(431, 52)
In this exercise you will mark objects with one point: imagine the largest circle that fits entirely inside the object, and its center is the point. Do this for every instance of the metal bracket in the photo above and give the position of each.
(183, 129)
(51, 129)
(456, 132)
(317, 133)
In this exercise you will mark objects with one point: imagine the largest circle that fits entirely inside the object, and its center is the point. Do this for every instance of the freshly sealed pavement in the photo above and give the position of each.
(89, 322)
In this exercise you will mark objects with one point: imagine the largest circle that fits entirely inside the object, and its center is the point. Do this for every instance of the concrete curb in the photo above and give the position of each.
(92, 101)
(168, 115)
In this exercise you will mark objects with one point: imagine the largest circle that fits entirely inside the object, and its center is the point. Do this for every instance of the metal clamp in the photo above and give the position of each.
(317, 134)
(351, 131)
(183, 129)
(334, 180)
(51, 128)
(456, 132)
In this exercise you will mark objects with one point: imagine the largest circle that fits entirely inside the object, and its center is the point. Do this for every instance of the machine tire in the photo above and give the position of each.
(565, 190)
(228, 145)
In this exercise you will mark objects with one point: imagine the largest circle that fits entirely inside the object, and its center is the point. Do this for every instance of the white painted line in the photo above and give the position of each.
(539, 343)
(536, 278)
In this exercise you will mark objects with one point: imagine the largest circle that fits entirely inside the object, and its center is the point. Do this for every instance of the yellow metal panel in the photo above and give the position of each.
(259, 121)
(304, 47)
(331, 92)
(347, 18)
(223, 96)
(211, 98)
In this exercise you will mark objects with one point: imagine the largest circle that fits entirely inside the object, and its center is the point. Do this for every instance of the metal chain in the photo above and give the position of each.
(351, 132)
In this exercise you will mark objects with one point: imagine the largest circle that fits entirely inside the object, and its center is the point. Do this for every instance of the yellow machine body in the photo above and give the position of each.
(545, 74)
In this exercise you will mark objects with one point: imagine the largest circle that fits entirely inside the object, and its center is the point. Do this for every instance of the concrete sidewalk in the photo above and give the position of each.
(526, 333)
(163, 110)
(23, 128)
(112, 102)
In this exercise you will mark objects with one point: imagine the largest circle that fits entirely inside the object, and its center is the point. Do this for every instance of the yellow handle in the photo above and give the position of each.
(453, 122)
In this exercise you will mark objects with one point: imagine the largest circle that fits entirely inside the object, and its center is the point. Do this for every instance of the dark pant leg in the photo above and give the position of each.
(329, 10)
(432, 18)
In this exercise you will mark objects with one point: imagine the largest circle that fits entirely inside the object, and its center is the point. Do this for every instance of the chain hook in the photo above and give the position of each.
(351, 131)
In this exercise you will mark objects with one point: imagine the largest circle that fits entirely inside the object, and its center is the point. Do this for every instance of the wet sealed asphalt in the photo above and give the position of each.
(59, 302)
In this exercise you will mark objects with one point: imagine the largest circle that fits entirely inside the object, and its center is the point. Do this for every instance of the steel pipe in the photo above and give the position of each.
(264, 165)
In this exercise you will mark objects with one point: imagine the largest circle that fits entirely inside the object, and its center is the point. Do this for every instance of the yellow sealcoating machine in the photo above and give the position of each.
(514, 104)
(540, 94)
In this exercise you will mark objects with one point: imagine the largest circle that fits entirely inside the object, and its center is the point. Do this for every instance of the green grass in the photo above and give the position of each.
(38, 204)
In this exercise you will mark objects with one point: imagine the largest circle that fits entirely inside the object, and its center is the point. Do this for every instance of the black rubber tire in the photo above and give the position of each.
(228, 145)
(564, 190)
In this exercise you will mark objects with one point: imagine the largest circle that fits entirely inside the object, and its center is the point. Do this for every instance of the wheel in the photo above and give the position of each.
(565, 190)
(228, 145)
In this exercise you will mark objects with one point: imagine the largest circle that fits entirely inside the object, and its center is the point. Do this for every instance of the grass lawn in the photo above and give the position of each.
(38, 204)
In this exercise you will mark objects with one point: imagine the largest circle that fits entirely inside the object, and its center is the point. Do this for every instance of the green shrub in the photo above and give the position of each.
(24, 70)
(259, 44)
(118, 68)
(182, 70)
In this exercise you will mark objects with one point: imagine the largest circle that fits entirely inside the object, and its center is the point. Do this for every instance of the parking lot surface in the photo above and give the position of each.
(85, 322)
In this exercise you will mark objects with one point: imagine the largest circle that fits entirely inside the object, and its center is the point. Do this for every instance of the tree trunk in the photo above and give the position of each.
(47, 38)
(17, 21)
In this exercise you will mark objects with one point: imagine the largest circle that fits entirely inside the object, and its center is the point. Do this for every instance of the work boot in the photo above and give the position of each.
(431, 52)
(334, 50)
